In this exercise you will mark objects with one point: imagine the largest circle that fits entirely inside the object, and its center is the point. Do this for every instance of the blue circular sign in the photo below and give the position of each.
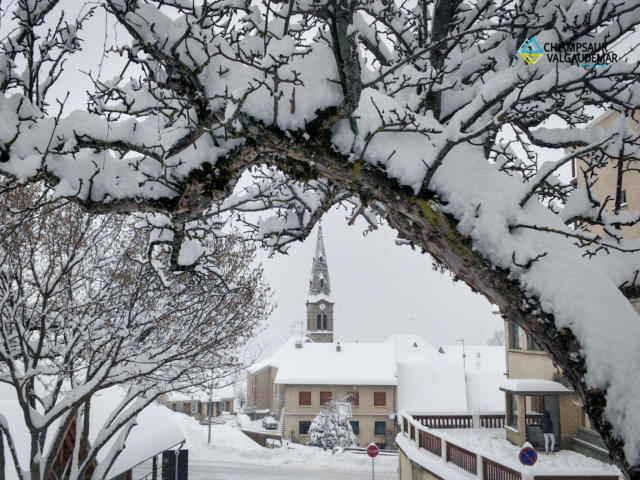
(528, 456)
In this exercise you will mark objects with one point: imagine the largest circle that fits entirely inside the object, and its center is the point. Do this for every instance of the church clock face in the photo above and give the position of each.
(322, 306)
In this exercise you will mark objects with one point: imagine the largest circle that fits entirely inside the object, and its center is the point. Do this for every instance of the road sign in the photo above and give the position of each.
(528, 456)
(372, 450)
(175, 465)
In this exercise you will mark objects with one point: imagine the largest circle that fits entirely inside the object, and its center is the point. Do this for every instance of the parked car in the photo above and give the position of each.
(269, 423)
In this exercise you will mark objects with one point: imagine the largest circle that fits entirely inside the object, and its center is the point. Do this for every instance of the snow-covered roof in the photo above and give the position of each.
(412, 348)
(430, 381)
(485, 367)
(533, 385)
(431, 387)
(154, 432)
(218, 394)
(354, 364)
(279, 356)
(479, 358)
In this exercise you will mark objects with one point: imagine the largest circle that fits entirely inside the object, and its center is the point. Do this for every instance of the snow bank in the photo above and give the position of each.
(154, 431)
(243, 420)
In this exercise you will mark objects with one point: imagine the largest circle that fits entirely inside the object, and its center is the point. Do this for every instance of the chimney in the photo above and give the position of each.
(298, 343)
(338, 348)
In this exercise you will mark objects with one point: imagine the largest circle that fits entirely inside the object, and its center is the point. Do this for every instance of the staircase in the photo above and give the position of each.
(281, 424)
(589, 443)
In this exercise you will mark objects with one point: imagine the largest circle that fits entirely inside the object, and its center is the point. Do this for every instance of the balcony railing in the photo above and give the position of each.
(445, 421)
(462, 458)
(495, 471)
(461, 420)
(481, 465)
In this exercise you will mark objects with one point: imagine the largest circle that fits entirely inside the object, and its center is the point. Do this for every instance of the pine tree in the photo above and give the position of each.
(330, 430)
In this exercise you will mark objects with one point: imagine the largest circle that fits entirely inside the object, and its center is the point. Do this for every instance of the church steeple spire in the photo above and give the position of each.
(319, 284)
(319, 304)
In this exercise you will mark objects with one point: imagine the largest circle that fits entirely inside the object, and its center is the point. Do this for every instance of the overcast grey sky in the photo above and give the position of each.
(378, 288)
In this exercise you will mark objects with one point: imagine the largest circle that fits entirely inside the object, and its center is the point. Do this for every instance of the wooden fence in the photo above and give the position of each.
(430, 443)
(445, 421)
(492, 421)
(494, 471)
(462, 458)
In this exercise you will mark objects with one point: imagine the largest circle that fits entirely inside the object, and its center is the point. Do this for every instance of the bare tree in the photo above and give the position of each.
(422, 113)
(82, 309)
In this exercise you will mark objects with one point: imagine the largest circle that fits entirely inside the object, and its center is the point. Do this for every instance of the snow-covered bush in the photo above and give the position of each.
(243, 420)
(331, 431)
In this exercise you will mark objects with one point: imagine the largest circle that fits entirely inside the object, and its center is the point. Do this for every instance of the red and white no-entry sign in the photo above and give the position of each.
(372, 450)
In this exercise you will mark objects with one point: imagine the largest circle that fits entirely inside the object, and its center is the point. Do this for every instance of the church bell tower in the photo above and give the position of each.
(319, 304)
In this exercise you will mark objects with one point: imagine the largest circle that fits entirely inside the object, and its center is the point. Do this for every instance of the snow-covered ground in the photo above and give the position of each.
(234, 455)
(492, 443)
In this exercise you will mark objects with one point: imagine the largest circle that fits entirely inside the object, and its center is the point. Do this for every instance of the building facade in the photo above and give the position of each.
(371, 406)
(615, 181)
(535, 384)
(196, 403)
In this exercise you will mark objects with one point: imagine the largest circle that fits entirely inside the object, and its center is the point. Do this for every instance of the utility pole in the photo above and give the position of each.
(464, 372)
(209, 412)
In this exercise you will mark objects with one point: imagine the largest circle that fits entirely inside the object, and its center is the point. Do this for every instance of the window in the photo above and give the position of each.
(194, 407)
(380, 428)
(325, 398)
(514, 335)
(303, 427)
(512, 410)
(324, 322)
(178, 407)
(379, 399)
(354, 398)
(321, 283)
(319, 322)
(532, 344)
(535, 405)
(304, 398)
(355, 426)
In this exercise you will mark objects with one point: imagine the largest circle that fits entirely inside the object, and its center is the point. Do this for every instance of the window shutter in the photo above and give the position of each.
(304, 398)
(325, 398)
(379, 399)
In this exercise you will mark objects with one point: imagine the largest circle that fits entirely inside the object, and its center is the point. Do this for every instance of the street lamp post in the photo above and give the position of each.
(209, 413)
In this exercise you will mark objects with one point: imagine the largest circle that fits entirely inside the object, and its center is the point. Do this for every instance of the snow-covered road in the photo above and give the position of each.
(239, 471)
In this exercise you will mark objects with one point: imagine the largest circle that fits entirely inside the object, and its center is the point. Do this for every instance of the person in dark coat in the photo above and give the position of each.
(546, 424)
